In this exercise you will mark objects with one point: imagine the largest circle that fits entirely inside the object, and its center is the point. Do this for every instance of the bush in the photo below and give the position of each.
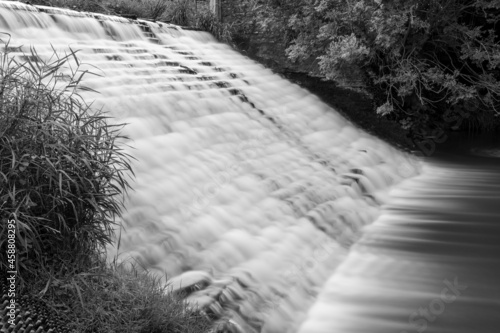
(207, 21)
(146, 9)
(424, 61)
(180, 13)
(61, 172)
(87, 5)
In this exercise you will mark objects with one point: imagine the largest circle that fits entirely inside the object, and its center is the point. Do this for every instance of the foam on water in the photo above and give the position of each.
(246, 185)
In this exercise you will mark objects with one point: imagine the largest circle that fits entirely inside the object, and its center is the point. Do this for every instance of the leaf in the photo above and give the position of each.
(44, 290)
(4, 177)
(13, 159)
(78, 292)
(60, 183)
(385, 109)
(73, 54)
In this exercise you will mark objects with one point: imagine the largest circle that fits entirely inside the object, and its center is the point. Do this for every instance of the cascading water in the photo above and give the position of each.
(246, 185)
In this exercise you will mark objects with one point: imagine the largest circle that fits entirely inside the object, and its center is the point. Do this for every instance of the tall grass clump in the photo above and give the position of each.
(120, 298)
(128, 300)
(61, 172)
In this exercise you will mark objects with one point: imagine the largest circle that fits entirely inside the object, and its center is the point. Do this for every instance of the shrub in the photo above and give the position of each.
(180, 13)
(422, 60)
(146, 9)
(155, 8)
(87, 5)
(207, 21)
(61, 172)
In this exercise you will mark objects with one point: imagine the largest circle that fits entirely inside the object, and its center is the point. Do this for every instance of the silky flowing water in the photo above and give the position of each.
(262, 204)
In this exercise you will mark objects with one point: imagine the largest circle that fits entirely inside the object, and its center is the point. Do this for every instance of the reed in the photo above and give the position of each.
(62, 174)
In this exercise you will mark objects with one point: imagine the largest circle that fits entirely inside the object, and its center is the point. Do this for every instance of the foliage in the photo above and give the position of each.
(180, 13)
(112, 297)
(258, 16)
(61, 172)
(207, 21)
(126, 300)
(87, 5)
(155, 9)
(146, 9)
(419, 57)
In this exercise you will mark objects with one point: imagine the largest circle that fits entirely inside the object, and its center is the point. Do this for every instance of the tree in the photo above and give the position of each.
(418, 58)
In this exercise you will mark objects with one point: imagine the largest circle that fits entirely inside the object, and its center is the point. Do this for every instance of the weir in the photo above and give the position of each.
(250, 193)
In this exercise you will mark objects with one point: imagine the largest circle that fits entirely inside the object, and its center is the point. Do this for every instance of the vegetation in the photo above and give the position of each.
(207, 21)
(180, 13)
(425, 63)
(114, 298)
(146, 9)
(60, 169)
(62, 177)
(105, 299)
(87, 5)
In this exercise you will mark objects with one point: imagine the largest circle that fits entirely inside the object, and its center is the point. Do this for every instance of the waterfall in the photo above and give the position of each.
(246, 184)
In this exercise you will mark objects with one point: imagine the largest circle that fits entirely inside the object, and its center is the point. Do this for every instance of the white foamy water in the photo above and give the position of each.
(246, 184)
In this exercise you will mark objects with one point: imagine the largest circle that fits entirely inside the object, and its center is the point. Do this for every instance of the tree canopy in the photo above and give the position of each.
(424, 61)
